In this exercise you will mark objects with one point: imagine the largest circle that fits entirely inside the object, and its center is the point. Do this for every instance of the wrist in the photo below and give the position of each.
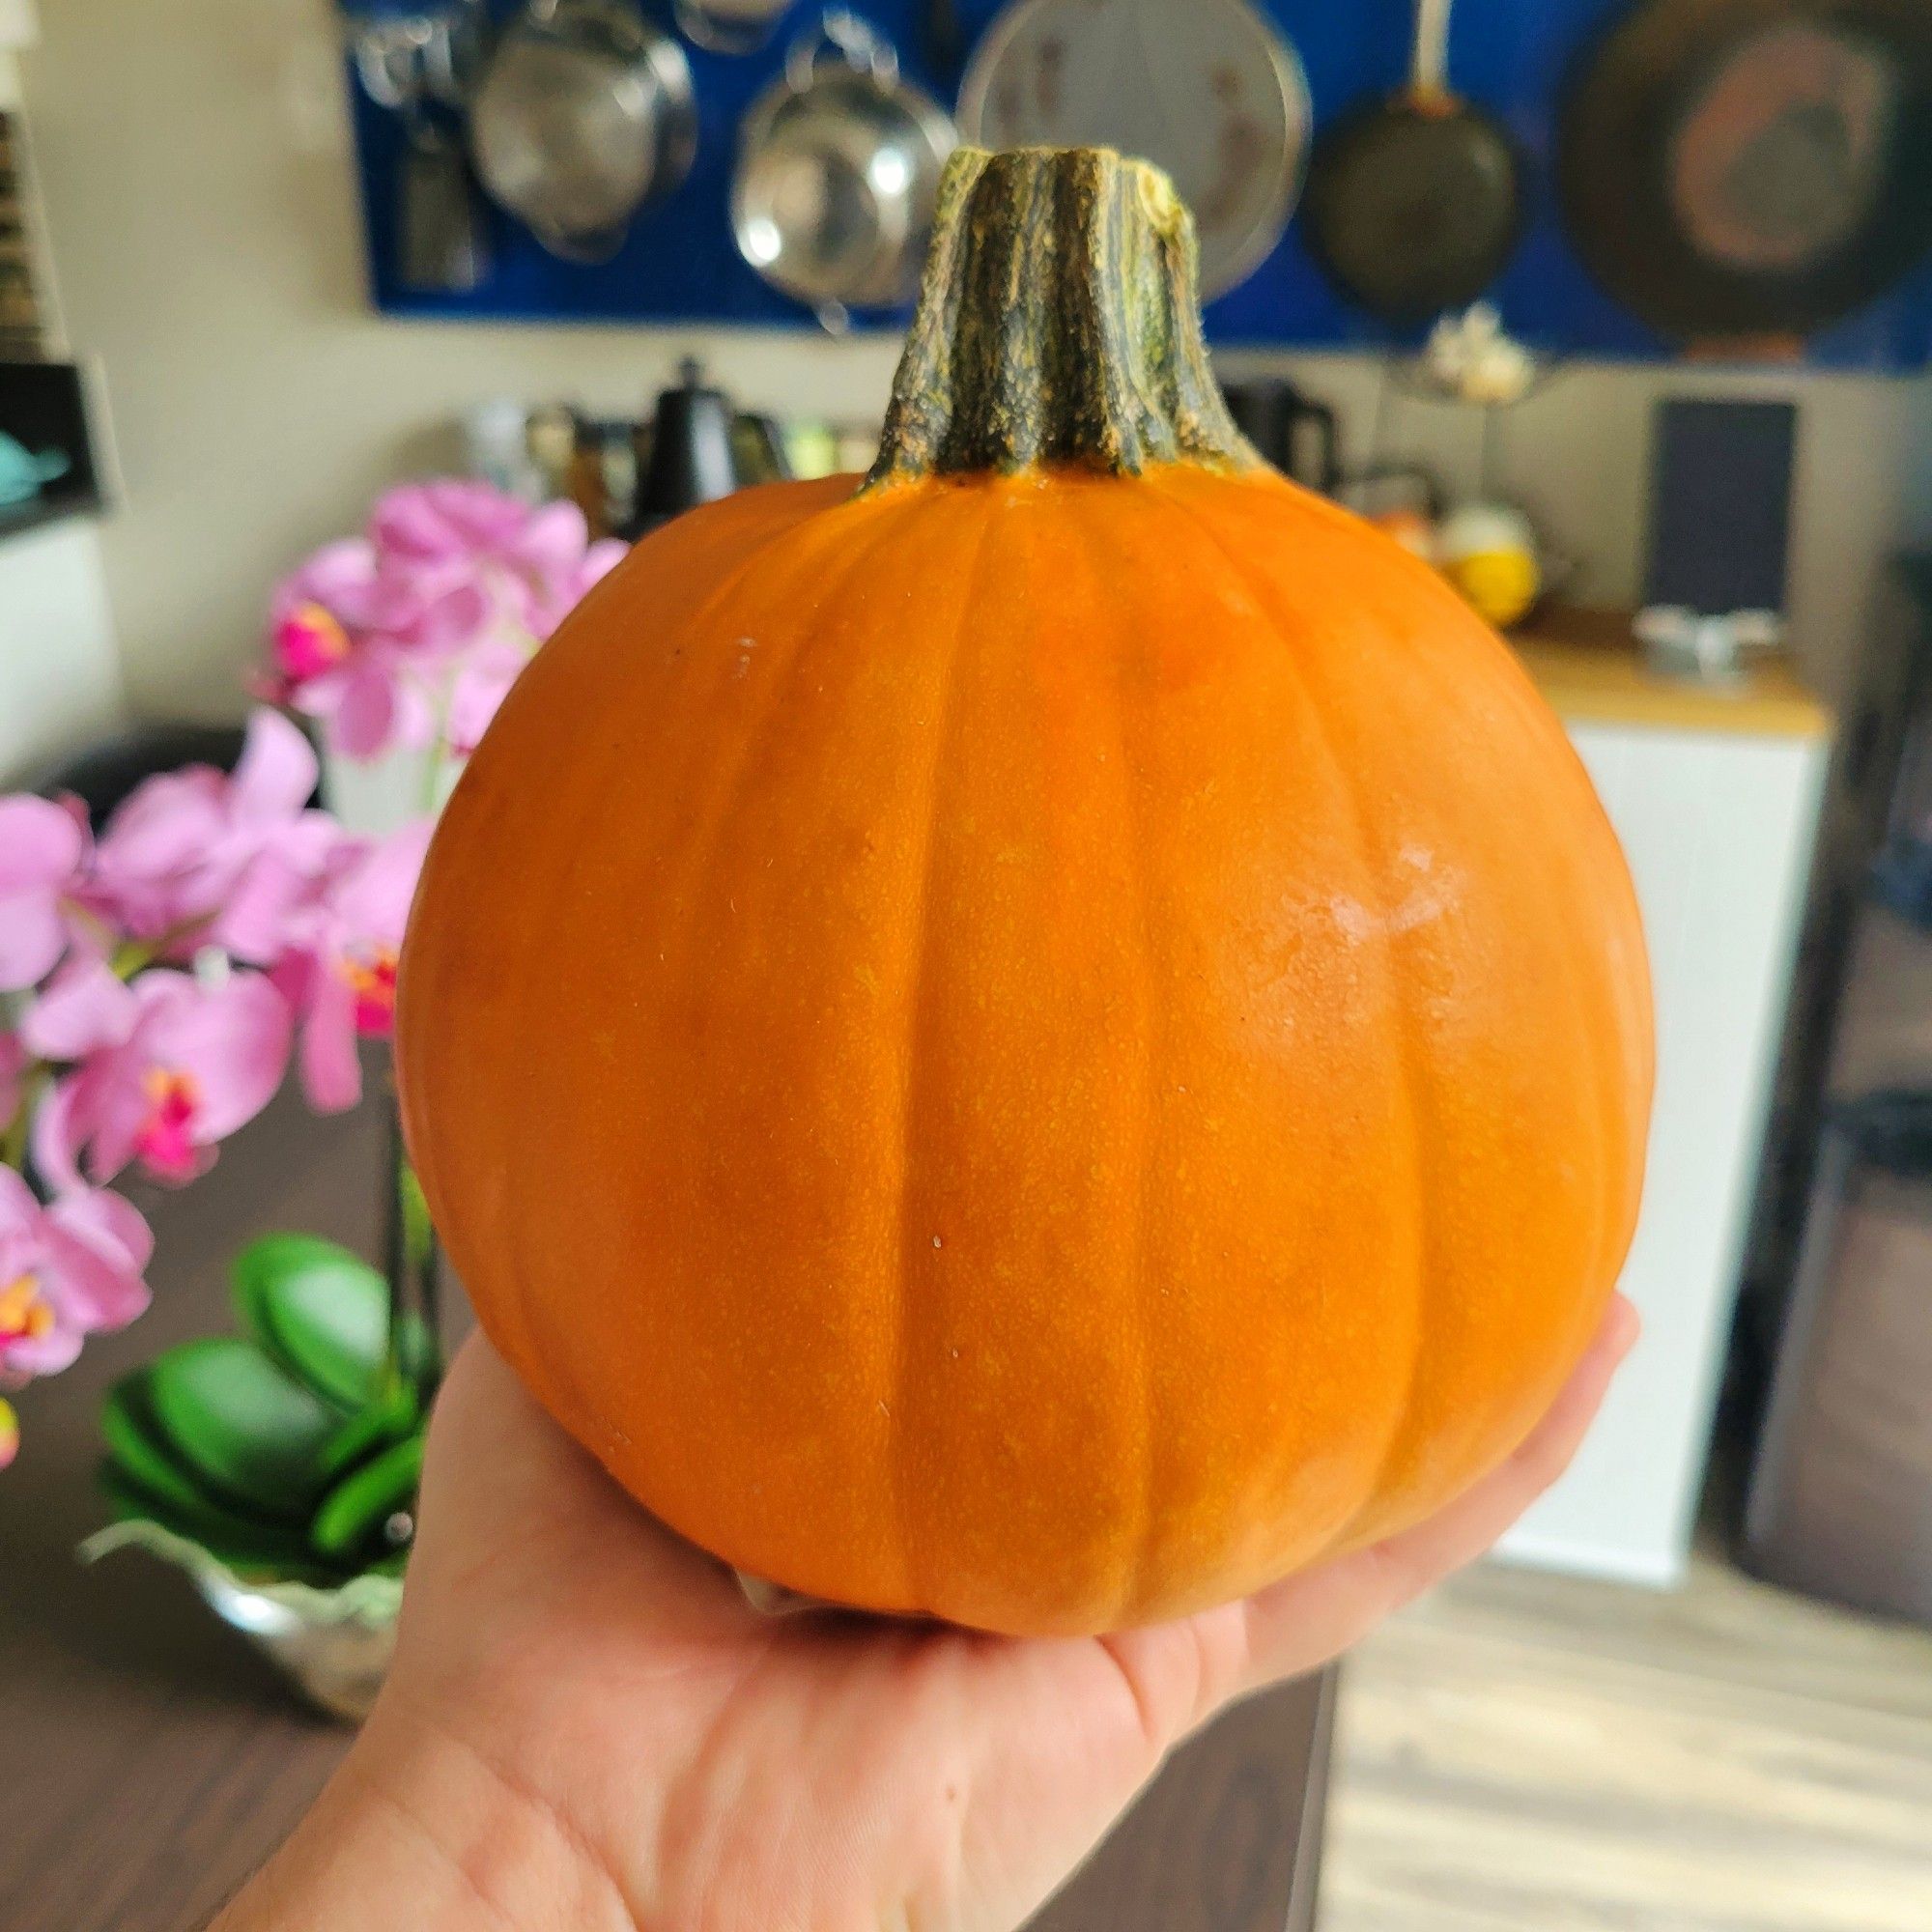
(415, 1828)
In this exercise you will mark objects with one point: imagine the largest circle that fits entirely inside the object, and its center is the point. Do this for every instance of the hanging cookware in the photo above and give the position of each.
(1751, 170)
(838, 177)
(731, 26)
(1414, 203)
(583, 115)
(419, 66)
(442, 243)
(1207, 89)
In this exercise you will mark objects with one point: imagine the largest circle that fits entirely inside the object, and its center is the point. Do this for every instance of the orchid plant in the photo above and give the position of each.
(161, 971)
(412, 632)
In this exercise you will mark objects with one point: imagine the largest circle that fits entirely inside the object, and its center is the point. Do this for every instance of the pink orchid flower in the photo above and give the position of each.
(566, 588)
(371, 633)
(65, 1270)
(534, 565)
(42, 849)
(340, 972)
(482, 682)
(196, 855)
(488, 670)
(356, 638)
(164, 1067)
(448, 519)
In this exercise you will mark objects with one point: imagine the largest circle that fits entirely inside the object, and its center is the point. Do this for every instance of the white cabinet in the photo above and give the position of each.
(1718, 827)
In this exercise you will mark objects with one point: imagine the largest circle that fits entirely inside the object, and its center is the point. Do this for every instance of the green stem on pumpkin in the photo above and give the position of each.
(1058, 323)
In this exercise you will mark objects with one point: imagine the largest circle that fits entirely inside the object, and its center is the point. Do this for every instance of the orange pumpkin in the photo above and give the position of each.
(1050, 1037)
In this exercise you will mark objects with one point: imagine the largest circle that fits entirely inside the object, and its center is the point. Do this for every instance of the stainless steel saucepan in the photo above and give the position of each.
(585, 113)
(837, 178)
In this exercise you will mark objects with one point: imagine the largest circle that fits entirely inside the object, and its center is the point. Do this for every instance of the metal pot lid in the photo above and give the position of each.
(1206, 89)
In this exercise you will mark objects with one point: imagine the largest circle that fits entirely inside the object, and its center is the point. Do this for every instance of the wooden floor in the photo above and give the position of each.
(1528, 1754)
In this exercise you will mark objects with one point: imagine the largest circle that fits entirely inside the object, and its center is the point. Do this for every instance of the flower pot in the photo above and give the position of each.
(335, 1653)
(333, 1644)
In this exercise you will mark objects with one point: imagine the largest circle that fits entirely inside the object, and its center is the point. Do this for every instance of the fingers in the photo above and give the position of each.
(1310, 1618)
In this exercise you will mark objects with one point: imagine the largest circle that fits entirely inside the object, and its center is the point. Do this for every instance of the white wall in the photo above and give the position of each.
(193, 158)
(1577, 456)
(60, 673)
(60, 680)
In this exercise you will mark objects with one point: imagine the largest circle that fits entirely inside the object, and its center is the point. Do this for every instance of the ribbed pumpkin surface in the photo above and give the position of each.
(1043, 1048)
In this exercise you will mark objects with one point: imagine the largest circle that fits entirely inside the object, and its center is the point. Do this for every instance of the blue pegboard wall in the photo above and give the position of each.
(679, 265)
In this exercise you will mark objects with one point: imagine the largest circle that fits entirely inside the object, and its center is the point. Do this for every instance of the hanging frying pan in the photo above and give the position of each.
(1414, 203)
(1746, 172)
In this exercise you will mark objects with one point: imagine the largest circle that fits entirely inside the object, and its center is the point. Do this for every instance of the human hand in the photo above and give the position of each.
(589, 1727)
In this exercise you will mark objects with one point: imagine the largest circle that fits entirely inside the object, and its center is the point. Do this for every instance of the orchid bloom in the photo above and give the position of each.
(355, 642)
(197, 853)
(64, 1271)
(163, 1067)
(488, 670)
(454, 586)
(42, 849)
(340, 971)
(538, 563)
(482, 682)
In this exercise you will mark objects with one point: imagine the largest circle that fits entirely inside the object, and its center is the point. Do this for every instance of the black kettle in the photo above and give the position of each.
(701, 449)
(1294, 432)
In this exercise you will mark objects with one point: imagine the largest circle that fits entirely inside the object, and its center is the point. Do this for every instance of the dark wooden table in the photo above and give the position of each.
(148, 1759)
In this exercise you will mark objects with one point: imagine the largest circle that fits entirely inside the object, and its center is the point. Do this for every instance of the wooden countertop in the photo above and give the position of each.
(1591, 668)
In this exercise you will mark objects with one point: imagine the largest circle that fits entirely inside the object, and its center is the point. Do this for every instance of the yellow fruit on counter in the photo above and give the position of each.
(1488, 551)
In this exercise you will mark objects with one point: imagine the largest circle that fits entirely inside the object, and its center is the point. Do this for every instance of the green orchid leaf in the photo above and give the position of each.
(320, 1311)
(253, 1550)
(292, 1573)
(238, 1422)
(137, 1450)
(421, 1359)
(387, 1419)
(353, 1514)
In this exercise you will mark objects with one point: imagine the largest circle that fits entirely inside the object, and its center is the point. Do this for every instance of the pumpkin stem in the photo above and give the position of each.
(1057, 321)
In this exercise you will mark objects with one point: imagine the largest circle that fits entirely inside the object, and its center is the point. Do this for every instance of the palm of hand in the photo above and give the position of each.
(713, 1767)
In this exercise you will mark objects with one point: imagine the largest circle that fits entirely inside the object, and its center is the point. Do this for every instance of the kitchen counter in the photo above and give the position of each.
(1594, 673)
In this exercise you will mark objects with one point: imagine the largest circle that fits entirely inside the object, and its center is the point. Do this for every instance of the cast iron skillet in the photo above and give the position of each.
(1413, 203)
(1746, 172)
